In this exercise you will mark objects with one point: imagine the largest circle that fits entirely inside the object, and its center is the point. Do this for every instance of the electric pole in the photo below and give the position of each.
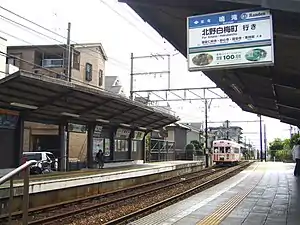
(69, 55)
(68, 68)
(131, 77)
(265, 142)
(261, 141)
(227, 129)
(206, 134)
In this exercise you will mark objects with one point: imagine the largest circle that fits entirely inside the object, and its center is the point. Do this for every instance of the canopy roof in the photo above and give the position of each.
(48, 100)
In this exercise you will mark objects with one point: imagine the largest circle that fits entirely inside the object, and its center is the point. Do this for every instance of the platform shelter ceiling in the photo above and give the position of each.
(55, 101)
(273, 91)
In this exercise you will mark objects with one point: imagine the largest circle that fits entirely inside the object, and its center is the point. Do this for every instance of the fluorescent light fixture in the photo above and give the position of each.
(156, 131)
(125, 125)
(236, 88)
(142, 128)
(24, 105)
(102, 121)
(70, 114)
(251, 106)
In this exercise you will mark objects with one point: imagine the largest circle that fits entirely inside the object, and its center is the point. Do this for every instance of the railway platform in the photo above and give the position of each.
(60, 187)
(266, 193)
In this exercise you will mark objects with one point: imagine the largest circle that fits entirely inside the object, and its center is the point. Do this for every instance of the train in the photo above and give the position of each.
(226, 152)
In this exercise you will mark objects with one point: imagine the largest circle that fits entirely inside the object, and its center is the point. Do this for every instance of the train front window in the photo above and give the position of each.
(216, 149)
(227, 149)
(222, 150)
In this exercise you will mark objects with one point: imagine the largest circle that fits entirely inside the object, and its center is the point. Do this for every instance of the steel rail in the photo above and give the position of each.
(95, 197)
(65, 215)
(167, 201)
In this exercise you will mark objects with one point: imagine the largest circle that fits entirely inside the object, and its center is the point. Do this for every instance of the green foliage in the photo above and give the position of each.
(283, 155)
(189, 147)
(277, 144)
(198, 148)
(196, 144)
(189, 151)
(294, 139)
(282, 149)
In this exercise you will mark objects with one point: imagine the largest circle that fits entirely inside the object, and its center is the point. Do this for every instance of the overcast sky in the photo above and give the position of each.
(121, 32)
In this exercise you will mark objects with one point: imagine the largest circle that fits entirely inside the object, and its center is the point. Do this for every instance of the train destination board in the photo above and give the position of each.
(232, 39)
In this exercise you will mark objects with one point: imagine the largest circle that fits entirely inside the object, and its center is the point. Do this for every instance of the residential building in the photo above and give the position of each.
(88, 66)
(88, 61)
(113, 84)
(177, 133)
(226, 131)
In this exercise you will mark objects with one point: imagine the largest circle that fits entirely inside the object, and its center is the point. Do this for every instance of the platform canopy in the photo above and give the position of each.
(270, 91)
(48, 100)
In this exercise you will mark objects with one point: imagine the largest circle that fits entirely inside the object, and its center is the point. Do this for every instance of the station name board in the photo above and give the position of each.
(232, 39)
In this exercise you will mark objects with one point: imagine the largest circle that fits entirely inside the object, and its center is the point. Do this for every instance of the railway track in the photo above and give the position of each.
(72, 203)
(123, 205)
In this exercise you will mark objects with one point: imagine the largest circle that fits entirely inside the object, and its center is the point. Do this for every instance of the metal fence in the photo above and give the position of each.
(161, 150)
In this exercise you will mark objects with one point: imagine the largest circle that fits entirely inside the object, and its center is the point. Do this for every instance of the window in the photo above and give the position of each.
(100, 78)
(33, 156)
(227, 150)
(121, 145)
(88, 72)
(76, 61)
(134, 145)
(222, 150)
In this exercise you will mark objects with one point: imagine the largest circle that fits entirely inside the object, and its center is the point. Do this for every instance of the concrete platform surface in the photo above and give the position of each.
(94, 176)
(263, 194)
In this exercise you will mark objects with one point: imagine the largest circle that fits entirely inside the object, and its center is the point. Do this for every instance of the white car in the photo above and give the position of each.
(42, 158)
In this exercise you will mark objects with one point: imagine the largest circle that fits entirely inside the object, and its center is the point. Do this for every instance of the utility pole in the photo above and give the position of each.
(65, 153)
(261, 141)
(206, 129)
(131, 77)
(227, 131)
(69, 54)
(265, 142)
(206, 134)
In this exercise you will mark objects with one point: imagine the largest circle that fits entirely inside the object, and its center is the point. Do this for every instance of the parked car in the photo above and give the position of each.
(46, 162)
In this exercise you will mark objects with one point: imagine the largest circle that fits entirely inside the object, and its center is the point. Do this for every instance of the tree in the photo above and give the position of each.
(189, 150)
(275, 146)
(282, 149)
(294, 139)
(198, 148)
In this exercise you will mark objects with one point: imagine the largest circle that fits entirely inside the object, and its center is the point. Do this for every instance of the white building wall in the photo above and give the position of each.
(3, 48)
(192, 136)
(171, 135)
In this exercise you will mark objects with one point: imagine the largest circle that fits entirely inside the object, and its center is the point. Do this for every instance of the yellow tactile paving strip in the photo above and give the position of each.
(222, 212)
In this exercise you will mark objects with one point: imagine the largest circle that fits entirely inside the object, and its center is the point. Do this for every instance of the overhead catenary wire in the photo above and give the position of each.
(42, 34)
(132, 24)
(53, 32)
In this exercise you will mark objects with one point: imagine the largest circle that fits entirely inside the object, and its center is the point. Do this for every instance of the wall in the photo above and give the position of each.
(3, 49)
(171, 134)
(191, 136)
(25, 54)
(180, 138)
(89, 55)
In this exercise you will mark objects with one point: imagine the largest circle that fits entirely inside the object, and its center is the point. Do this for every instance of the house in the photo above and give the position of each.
(113, 84)
(227, 132)
(87, 60)
(88, 66)
(177, 133)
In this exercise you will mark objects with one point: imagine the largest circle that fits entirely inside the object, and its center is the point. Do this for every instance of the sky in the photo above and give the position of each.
(122, 32)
